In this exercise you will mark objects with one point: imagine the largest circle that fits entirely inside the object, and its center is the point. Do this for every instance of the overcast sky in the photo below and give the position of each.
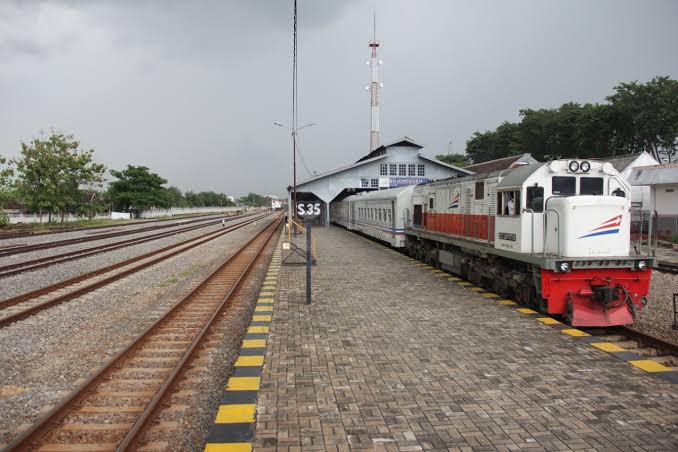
(191, 89)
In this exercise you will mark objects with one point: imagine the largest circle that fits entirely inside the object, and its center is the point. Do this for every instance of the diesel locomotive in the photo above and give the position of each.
(556, 236)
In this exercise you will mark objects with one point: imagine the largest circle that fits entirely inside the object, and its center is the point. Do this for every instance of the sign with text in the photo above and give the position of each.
(402, 181)
(308, 210)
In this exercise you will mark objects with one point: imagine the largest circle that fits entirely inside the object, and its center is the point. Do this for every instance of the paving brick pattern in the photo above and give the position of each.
(391, 357)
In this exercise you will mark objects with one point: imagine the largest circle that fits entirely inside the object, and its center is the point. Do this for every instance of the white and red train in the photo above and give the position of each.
(556, 235)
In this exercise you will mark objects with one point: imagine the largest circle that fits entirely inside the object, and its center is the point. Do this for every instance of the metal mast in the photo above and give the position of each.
(375, 85)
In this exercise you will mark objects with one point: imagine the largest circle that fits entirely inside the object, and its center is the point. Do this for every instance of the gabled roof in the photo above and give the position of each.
(339, 170)
(655, 175)
(447, 165)
(502, 163)
(381, 150)
(622, 162)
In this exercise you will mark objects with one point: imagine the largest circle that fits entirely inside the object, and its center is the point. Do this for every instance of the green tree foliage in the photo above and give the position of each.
(175, 198)
(6, 174)
(255, 200)
(52, 170)
(208, 199)
(637, 117)
(137, 189)
(459, 160)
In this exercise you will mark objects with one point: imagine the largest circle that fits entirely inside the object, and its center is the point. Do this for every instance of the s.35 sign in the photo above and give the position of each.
(308, 209)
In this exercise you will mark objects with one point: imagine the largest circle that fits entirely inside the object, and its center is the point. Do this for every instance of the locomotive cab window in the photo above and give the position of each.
(480, 190)
(509, 204)
(535, 199)
(564, 185)
(591, 186)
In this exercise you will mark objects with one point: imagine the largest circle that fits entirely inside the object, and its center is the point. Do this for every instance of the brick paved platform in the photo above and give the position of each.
(393, 357)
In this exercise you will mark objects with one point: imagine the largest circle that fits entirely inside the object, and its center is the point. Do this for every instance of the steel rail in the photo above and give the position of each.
(30, 311)
(73, 241)
(34, 264)
(20, 234)
(27, 439)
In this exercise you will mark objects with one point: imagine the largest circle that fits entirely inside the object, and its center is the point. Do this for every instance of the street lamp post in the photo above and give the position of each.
(294, 160)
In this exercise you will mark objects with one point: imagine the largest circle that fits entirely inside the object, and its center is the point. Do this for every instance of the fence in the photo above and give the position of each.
(18, 217)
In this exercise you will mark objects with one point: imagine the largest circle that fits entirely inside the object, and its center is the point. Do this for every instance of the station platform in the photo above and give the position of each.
(394, 355)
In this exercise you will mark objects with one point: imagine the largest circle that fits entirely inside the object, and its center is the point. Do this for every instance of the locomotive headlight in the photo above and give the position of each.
(585, 166)
(564, 266)
(573, 166)
(641, 265)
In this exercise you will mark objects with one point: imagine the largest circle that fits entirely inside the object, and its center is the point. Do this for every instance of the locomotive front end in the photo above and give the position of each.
(594, 281)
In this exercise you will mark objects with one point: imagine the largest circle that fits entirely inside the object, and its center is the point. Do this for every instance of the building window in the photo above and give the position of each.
(383, 169)
(420, 170)
(410, 169)
(364, 183)
(402, 169)
(392, 169)
(374, 183)
(480, 190)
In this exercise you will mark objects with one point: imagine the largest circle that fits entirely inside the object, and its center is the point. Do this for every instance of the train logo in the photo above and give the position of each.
(610, 226)
(455, 202)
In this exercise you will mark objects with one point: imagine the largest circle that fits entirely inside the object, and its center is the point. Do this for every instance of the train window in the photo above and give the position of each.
(402, 169)
(564, 185)
(392, 169)
(510, 204)
(430, 202)
(535, 199)
(500, 198)
(591, 186)
(480, 190)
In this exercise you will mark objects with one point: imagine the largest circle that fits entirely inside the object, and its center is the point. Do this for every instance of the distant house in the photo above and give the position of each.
(640, 195)
(662, 181)
(502, 163)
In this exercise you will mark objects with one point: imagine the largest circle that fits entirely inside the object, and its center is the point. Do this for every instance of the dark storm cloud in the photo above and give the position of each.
(192, 89)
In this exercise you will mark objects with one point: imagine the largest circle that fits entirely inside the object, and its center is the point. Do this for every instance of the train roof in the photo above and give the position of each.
(523, 171)
(517, 176)
(391, 193)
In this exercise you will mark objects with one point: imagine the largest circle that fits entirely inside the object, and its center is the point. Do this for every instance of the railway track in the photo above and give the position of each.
(639, 343)
(667, 267)
(14, 250)
(31, 303)
(34, 264)
(6, 235)
(118, 404)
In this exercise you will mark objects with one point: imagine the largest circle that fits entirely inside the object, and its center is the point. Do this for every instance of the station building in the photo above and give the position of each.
(388, 166)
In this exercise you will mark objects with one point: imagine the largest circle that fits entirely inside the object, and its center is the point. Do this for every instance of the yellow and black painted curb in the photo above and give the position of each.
(233, 428)
(648, 365)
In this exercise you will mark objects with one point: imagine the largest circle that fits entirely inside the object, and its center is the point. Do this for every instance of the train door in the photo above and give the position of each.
(534, 219)
(417, 216)
(467, 218)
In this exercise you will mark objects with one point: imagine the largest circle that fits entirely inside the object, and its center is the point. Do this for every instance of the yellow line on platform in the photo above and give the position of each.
(243, 383)
(574, 332)
(233, 414)
(248, 361)
(228, 447)
(254, 343)
(649, 365)
(608, 347)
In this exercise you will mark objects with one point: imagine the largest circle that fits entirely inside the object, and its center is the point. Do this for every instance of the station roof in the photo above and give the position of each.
(655, 175)
(381, 150)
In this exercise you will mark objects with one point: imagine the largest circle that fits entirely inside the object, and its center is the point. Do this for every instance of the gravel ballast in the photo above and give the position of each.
(657, 317)
(24, 282)
(46, 355)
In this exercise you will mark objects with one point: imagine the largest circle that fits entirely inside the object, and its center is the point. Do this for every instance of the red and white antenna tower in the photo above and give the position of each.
(375, 86)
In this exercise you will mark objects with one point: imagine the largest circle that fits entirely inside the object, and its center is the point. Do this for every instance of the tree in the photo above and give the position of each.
(51, 172)
(254, 200)
(459, 160)
(175, 198)
(6, 174)
(502, 142)
(137, 189)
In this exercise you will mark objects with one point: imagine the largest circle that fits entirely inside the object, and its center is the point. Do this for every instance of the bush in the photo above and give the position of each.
(675, 238)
